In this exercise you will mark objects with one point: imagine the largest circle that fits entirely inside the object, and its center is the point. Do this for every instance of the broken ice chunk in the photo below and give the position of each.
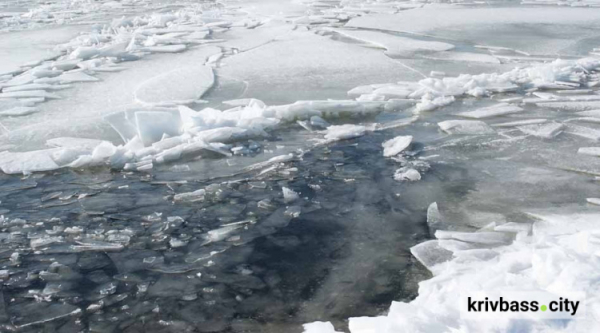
(221, 233)
(434, 218)
(152, 125)
(592, 151)
(319, 122)
(544, 131)
(492, 111)
(344, 132)
(584, 132)
(179, 86)
(396, 145)
(521, 122)
(430, 253)
(289, 195)
(407, 174)
(197, 195)
(491, 238)
(468, 127)
(319, 327)
(595, 201)
(427, 104)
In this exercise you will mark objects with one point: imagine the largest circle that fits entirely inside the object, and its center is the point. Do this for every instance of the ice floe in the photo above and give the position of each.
(396, 145)
(492, 111)
(469, 127)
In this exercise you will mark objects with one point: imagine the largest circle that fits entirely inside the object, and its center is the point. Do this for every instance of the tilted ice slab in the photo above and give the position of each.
(179, 86)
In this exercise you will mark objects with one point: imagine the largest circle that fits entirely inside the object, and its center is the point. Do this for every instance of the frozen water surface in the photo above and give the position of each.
(294, 166)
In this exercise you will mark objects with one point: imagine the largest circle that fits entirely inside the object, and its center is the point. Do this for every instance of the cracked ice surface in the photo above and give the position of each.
(217, 166)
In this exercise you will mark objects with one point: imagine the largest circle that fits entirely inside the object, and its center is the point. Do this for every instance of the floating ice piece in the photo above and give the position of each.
(19, 111)
(396, 145)
(197, 195)
(220, 234)
(584, 132)
(179, 86)
(521, 122)
(29, 93)
(592, 151)
(95, 245)
(407, 174)
(319, 327)
(468, 127)
(595, 201)
(344, 132)
(289, 195)
(489, 238)
(434, 218)
(492, 111)
(272, 160)
(153, 125)
(544, 131)
(25, 162)
(430, 254)
(318, 122)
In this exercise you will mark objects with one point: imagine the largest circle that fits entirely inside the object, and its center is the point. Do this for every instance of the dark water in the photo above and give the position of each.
(141, 262)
